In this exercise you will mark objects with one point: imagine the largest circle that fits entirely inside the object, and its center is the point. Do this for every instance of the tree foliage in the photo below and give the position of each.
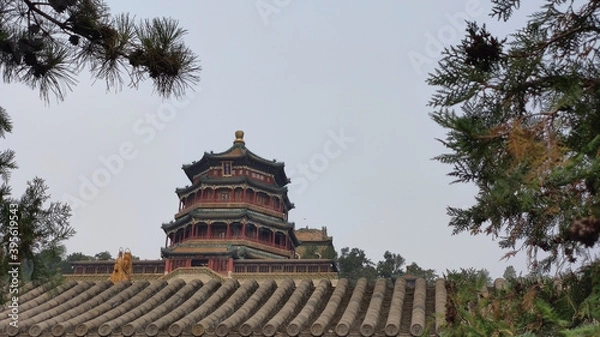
(522, 115)
(32, 227)
(103, 256)
(44, 44)
(428, 274)
(391, 266)
(537, 306)
(509, 273)
(78, 256)
(354, 264)
(65, 263)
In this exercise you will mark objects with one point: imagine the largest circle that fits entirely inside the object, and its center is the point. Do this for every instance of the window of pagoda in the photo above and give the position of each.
(262, 199)
(227, 168)
(189, 200)
(250, 195)
(207, 194)
(201, 230)
(199, 263)
(238, 194)
(188, 232)
(236, 230)
(276, 204)
(251, 231)
(179, 236)
(219, 230)
(224, 194)
(280, 240)
(265, 235)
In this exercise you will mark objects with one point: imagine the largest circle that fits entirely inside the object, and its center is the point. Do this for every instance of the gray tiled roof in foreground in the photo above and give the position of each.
(268, 308)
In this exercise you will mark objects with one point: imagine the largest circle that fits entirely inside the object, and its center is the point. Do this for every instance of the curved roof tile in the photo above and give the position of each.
(228, 308)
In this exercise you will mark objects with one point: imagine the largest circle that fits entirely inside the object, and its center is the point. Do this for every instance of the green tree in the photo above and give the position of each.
(469, 276)
(428, 274)
(50, 263)
(103, 256)
(42, 226)
(310, 252)
(391, 266)
(526, 307)
(329, 253)
(522, 121)
(78, 256)
(66, 263)
(45, 43)
(510, 273)
(354, 264)
(32, 227)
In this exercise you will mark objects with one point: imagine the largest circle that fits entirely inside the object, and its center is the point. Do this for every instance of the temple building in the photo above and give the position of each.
(316, 244)
(235, 208)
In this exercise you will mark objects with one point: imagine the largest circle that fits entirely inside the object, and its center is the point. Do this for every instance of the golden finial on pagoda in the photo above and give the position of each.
(239, 137)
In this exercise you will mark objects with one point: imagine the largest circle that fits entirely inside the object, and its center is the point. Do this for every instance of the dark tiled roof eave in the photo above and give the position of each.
(232, 308)
(229, 213)
(216, 181)
(177, 222)
(208, 159)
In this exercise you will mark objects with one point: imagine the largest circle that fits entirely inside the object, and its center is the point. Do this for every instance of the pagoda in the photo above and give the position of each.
(236, 208)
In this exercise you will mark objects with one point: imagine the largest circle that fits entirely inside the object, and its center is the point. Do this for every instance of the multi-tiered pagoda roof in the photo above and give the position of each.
(235, 208)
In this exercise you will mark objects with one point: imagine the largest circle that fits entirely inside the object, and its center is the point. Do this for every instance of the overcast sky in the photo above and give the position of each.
(335, 89)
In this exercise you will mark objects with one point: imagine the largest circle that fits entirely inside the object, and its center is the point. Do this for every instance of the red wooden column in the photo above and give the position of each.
(228, 232)
(209, 230)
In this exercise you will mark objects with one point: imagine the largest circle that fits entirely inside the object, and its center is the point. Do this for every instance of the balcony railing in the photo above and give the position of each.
(232, 204)
(263, 241)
